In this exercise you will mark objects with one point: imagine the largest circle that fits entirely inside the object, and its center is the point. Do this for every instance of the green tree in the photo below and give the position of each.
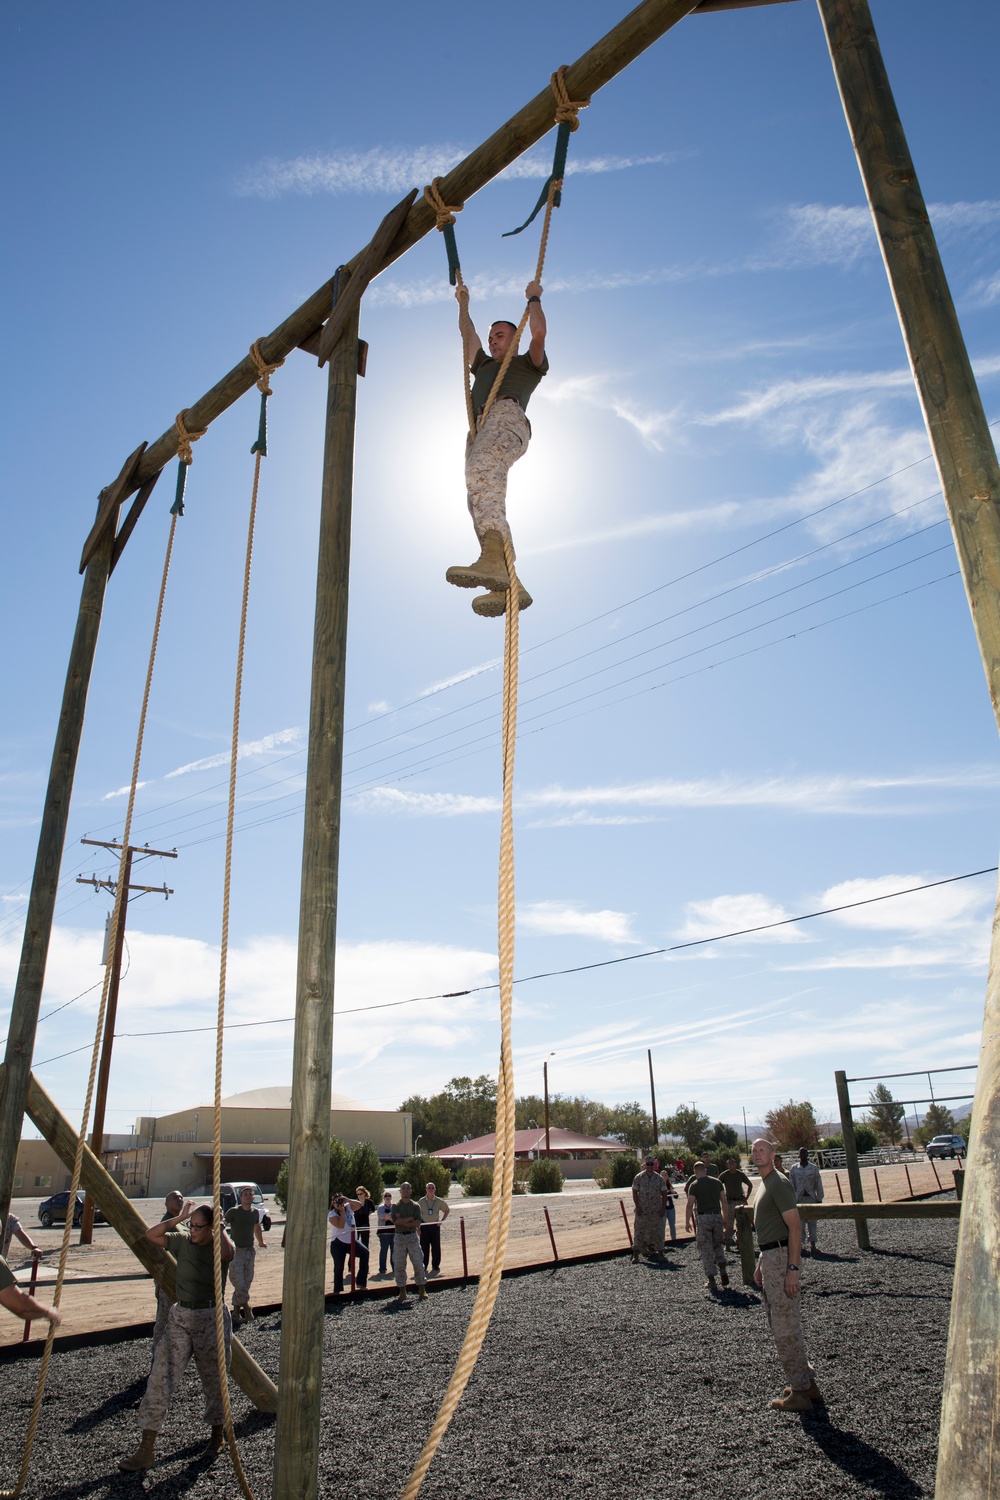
(937, 1121)
(350, 1167)
(688, 1124)
(885, 1115)
(418, 1171)
(630, 1124)
(586, 1116)
(792, 1125)
(464, 1109)
(724, 1136)
(865, 1137)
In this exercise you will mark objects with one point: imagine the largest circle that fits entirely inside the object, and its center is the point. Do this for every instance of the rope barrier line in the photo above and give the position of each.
(121, 896)
(259, 450)
(498, 1228)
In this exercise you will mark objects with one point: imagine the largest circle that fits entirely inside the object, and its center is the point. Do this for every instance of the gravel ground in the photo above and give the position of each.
(587, 1372)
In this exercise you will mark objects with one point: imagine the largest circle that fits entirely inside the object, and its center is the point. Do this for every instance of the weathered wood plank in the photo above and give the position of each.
(127, 527)
(905, 1208)
(111, 499)
(300, 1379)
(370, 263)
(131, 1227)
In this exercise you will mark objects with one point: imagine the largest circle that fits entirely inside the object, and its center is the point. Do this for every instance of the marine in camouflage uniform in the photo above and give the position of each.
(808, 1185)
(649, 1195)
(243, 1223)
(779, 1233)
(707, 1196)
(498, 442)
(189, 1332)
(173, 1203)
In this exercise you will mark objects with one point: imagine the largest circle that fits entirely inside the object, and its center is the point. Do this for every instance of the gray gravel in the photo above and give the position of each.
(605, 1380)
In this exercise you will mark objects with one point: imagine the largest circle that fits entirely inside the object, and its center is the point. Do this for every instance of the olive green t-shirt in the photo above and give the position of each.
(241, 1222)
(774, 1197)
(734, 1183)
(520, 380)
(6, 1276)
(195, 1279)
(707, 1193)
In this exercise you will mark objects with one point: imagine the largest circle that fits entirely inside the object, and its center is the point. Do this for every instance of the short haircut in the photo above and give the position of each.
(505, 321)
(206, 1211)
(702, 1164)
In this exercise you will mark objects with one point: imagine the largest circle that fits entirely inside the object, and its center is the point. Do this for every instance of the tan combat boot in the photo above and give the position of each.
(422, 1293)
(215, 1444)
(723, 1276)
(792, 1401)
(489, 571)
(143, 1457)
(814, 1393)
(710, 1285)
(495, 602)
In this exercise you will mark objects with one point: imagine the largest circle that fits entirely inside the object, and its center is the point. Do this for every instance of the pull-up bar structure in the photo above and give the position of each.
(970, 480)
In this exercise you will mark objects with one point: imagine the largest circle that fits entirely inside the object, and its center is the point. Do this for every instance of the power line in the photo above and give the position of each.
(605, 963)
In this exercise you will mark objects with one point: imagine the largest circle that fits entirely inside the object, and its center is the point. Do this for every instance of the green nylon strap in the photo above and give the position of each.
(260, 446)
(451, 245)
(557, 174)
(177, 509)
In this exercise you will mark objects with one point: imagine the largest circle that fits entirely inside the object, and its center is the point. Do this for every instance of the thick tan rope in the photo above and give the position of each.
(264, 370)
(567, 109)
(554, 187)
(444, 214)
(498, 1228)
(185, 437)
(121, 896)
(220, 1301)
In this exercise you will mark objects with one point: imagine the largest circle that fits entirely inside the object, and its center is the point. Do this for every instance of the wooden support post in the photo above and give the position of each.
(936, 1177)
(131, 1227)
(840, 1190)
(552, 1238)
(959, 1176)
(52, 838)
(878, 1190)
(851, 1153)
(744, 1244)
(652, 1100)
(465, 1252)
(300, 1381)
(628, 1227)
(970, 479)
(909, 1184)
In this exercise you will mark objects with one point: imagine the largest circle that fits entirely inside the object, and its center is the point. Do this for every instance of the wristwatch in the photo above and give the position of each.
(791, 1268)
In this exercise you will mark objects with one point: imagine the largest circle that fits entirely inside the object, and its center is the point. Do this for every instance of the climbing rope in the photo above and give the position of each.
(259, 451)
(445, 218)
(121, 896)
(498, 1228)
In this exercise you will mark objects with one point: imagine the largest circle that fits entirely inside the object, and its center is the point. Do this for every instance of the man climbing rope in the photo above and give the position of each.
(500, 440)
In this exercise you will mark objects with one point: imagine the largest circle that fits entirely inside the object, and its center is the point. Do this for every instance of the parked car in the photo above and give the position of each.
(230, 1196)
(946, 1145)
(53, 1210)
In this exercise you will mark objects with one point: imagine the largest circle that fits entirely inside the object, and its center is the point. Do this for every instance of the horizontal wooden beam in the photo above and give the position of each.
(707, 5)
(131, 1228)
(607, 58)
(904, 1209)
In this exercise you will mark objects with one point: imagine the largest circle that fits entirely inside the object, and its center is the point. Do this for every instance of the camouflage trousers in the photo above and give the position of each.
(647, 1234)
(489, 456)
(241, 1269)
(710, 1236)
(784, 1316)
(404, 1245)
(163, 1306)
(190, 1332)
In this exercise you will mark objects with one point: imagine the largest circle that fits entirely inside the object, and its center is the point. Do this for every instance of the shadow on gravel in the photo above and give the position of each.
(859, 1459)
(730, 1298)
(113, 1407)
(925, 1260)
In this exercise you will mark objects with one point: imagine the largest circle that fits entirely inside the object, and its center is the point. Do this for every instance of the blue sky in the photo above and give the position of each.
(750, 686)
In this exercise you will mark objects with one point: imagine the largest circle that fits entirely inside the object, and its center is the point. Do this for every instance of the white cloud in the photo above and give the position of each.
(719, 914)
(253, 747)
(564, 919)
(385, 169)
(936, 912)
(457, 677)
(598, 391)
(123, 791)
(817, 234)
(425, 804)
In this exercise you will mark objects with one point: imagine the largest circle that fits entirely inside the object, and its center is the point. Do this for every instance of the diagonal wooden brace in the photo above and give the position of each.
(111, 499)
(131, 1227)
(373, 259)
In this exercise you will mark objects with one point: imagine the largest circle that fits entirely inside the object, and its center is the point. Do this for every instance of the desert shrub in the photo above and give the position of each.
(390, 1173)
(865, 1138)
(545, 1176)
(623, 1167)
(418, 1171)
(478, 1182)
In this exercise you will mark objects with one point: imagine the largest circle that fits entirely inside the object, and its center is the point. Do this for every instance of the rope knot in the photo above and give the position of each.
(444, 213)
(567, 109)
(264, 370)
(185, 437)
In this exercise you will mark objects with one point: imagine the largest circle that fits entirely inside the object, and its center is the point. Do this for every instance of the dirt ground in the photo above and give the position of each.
(106, 1287)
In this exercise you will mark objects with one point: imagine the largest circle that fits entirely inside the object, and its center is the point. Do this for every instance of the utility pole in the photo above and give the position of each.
(545, 1077)
(652, 1099)
(111, 1013)
(746, 1133)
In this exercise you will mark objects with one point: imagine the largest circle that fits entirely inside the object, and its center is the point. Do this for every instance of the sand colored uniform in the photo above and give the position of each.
(808, 1185)
(502, 438)
(774, 1197)
(189, 1334)
(648, 1231)
(406, 1242)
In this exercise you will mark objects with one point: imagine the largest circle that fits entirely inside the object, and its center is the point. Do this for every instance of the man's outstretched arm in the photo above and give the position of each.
(536, 324)
(470, 338)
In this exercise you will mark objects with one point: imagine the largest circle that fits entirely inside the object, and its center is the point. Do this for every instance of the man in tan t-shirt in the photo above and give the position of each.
(501, 437)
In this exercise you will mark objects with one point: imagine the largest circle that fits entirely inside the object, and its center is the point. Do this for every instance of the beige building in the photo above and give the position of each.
(176, 1150)
(38, 1171)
